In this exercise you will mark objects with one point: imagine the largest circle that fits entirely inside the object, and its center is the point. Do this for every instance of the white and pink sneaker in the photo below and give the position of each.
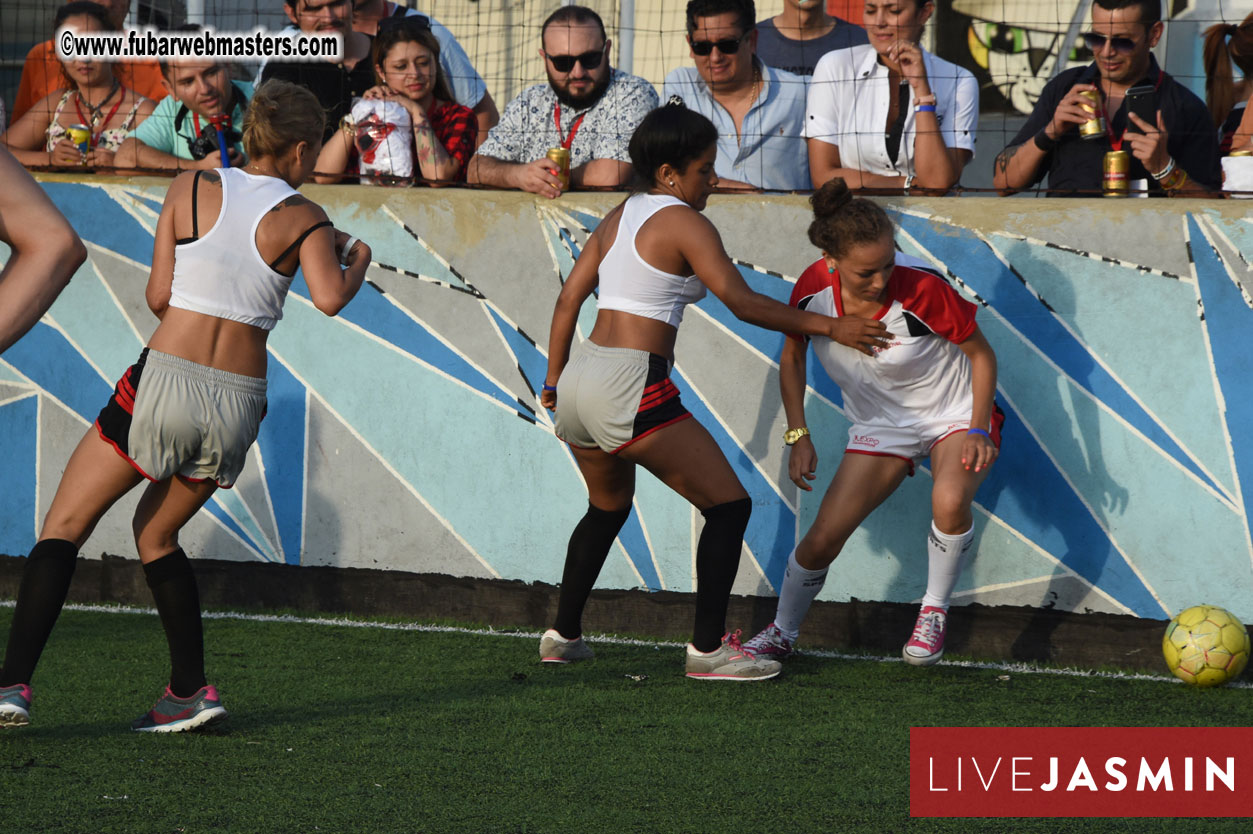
(771, 643)
(927, 645)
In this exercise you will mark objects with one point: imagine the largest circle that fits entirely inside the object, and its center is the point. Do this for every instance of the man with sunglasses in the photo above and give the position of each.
(587, 107)
(180, 134)
(759, 111)
(1175, 154)
(333, 82)
(467, 85)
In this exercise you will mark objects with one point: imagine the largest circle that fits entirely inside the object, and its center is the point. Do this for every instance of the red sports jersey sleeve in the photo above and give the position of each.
(813, 280)
(934, 302)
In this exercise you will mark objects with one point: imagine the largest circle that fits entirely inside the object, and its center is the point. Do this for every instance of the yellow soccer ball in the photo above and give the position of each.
(1205, 646)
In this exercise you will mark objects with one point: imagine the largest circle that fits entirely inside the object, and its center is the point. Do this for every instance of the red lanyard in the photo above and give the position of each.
(95, 137)
(567, 141)
(1116, 144)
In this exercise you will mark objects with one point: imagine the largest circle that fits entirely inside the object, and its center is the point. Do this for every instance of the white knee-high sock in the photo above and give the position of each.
(800, 587)
(946, 556)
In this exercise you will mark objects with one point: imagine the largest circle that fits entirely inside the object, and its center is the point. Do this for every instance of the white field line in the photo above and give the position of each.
(608, 639)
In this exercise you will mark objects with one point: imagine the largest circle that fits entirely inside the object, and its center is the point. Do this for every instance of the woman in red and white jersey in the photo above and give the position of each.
(929, 391)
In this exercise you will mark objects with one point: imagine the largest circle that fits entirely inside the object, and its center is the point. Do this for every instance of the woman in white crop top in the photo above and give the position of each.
(184, 416)
(616, 406)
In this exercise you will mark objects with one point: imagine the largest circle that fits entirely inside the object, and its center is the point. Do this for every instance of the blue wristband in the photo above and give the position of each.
(979, 431)
(925, 108)
(552, 388)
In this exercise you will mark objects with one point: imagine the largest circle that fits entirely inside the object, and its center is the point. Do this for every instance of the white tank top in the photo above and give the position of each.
(630, 284)
(222, 274)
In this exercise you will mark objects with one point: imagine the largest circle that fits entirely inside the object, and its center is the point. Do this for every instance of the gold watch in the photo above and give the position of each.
(792, 435)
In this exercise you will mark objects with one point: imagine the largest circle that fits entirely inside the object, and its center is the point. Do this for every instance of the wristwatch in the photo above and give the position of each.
(792, 435)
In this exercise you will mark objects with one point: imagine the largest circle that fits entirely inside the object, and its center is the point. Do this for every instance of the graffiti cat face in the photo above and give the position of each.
(1020, 61)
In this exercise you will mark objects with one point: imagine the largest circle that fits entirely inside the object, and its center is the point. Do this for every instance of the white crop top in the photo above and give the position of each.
(222, 274)
(630, 284)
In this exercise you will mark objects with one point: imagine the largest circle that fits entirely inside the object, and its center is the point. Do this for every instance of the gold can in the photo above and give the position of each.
(1093, 128)
(80, 136)
(561, 158)
(1242, 152)
(1114, 172)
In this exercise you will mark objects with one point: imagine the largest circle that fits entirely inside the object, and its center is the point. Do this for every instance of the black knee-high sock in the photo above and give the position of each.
(173, 587)
(717, 560)
(589, 546)
(45, 582)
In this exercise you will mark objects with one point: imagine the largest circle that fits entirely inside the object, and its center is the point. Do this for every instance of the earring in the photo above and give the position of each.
(671, 182)
(831, 270)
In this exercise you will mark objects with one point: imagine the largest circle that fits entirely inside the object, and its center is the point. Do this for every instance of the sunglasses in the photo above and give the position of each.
(727, 46)
(408, 23)
(589, 60)
(1096, 43)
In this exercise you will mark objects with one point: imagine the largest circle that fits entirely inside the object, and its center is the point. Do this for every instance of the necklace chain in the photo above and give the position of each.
(97, 110)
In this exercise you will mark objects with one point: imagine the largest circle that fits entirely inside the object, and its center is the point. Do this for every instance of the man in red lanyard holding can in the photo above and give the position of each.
(1173, 152)
(587, 109)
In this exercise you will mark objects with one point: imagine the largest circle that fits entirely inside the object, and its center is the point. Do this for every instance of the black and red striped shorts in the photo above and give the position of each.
(608, 398)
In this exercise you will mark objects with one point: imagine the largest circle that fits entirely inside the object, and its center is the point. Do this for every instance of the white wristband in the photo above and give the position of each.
(343, 253)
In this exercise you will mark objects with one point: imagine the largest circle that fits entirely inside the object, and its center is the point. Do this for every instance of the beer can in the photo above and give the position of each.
(1242, 152)
(80, 136)
(1114, 171)
(1093, 128)
(561, 158)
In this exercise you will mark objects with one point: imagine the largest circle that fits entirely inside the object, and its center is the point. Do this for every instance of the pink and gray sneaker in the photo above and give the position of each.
(926, 646)
(15, 705)
(178, 715)
(771, 643)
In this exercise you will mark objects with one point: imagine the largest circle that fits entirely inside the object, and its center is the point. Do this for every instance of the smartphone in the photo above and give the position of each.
(1142, 101)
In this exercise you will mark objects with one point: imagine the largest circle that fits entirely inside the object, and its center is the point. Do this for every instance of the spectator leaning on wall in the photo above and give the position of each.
(41, 72)
(333, 84)
(803, 32)
(181, 133)
(1174, 154)
(890, 114)
(587, 107)
(468, 87)
(759, 111)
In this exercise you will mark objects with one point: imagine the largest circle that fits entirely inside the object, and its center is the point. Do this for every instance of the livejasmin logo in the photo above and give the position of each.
(1080, 771)
(1022, 774)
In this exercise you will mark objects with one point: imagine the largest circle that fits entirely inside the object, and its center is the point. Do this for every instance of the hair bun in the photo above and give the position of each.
(833, 196)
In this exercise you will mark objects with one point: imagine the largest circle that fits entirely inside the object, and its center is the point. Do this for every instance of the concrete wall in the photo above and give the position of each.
(406, 433)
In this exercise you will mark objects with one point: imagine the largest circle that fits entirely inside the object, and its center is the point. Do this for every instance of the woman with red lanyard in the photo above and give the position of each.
(93, 97)
(407, 68)
(927, 392)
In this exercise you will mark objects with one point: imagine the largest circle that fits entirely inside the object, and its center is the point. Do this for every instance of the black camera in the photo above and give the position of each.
(207, 142)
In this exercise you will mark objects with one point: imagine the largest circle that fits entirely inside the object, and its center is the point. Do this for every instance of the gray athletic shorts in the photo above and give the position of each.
(170, 416)
(608, 398)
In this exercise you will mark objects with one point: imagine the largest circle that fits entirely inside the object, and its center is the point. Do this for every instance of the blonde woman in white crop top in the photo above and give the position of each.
(616, 407)
(184, 416)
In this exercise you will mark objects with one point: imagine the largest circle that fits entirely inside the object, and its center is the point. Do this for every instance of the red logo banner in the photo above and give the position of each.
(1080, 771)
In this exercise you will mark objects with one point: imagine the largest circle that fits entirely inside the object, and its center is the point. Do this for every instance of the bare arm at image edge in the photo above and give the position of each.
(44, 251)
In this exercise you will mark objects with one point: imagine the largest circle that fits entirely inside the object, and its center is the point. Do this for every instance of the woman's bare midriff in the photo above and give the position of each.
(230, 346)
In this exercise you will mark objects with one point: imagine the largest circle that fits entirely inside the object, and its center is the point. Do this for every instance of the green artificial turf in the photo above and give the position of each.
(349, 729)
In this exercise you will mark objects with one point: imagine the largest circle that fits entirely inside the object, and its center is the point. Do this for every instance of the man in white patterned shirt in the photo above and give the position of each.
(586, 107)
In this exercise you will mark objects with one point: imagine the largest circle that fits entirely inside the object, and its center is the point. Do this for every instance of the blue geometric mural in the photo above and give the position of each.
(406, 433)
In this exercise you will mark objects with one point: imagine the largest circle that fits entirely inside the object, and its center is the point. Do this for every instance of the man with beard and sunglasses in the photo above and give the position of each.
(1174, 154)
(587, 107)
(759, 110)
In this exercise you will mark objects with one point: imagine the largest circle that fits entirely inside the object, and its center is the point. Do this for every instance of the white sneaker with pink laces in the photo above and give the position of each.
(927, 645)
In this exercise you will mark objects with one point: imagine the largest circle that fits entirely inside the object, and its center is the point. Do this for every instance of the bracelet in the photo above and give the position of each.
(925, 108)
(548, 387)
(343, 253)
(979, 431)
(1044, 142)
(1175, 180)
(349, 129)
(1165, 172)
